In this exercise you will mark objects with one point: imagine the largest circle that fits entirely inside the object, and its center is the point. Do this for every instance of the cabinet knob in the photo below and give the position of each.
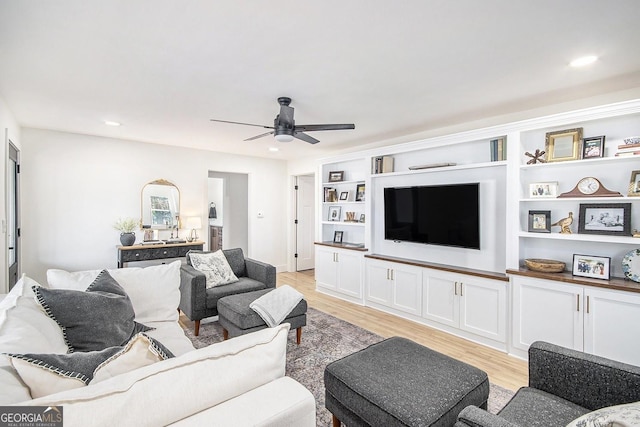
(164, 253)
(137, 254)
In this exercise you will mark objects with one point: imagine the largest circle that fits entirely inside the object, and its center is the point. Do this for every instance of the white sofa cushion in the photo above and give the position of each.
(206, 377)
(154, 291)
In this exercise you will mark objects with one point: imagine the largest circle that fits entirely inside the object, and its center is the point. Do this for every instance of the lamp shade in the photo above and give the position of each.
(194, 223)
(284, 138)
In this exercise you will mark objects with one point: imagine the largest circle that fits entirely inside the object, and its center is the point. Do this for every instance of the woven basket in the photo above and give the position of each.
(544, 265)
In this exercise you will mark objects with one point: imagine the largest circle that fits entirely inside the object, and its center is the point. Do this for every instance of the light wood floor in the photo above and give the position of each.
(504, 370)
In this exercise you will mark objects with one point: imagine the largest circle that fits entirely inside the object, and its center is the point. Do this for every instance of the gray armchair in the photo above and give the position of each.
(563, 385)
(197, 302)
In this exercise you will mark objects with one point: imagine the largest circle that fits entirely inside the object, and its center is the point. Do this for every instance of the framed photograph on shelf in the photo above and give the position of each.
(360, 193)
(361, 217)
(605, 218)
(594, 267)
(344, 195)
(543, 190)
(334, 213)
(634, 184)
(540, 221)
(336, 176)
(563, 145)
(337, 236)
(593, 147)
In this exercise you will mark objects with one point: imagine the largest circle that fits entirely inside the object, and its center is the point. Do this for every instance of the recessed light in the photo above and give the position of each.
(274, 149)
(111, 123)
(583, 61)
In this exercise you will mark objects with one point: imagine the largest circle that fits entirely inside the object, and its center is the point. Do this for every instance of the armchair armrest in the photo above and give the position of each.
(587, 380)
(261, 271)
(472, 416)
(192, 291)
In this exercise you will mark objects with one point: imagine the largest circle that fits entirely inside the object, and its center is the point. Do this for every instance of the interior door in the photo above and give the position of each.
(13, 228)
(304, 223)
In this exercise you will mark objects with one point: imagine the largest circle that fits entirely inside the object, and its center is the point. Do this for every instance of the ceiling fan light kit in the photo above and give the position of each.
(285, 128)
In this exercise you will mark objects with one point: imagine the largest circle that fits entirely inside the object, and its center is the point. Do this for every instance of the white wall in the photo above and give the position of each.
(9, 130)
(75, 186)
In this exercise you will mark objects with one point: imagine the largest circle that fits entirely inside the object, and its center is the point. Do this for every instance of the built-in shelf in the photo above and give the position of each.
(582, 162)
(343, 202)
(583, 199)
(328, 184)
(357, 224)
(346, 245)
(613, 283)
(443, 169)
(603, 238)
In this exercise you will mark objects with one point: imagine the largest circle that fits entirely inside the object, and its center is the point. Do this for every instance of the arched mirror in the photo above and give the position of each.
(160, 205)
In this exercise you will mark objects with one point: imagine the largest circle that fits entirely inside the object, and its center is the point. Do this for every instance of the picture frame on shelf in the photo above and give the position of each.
(594, 267)
(361, 218)
(605, 218)
(337, 236)
(593, 147)
(330, 195)
(543, 190)
(540, 221)
(334, 213)
(563, 145)
(336, 176)
(634, 184)
(344, 195)
(360, 188)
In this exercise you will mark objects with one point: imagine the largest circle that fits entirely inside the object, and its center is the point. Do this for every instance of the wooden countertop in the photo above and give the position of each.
(139, 246)
(566, 277)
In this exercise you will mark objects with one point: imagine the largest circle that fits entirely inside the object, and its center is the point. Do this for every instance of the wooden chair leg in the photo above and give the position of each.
(225, 334)
(197, 328)
(298, 335)
(335, 421)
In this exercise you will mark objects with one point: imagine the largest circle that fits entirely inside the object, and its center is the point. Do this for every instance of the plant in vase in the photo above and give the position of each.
(126, 227)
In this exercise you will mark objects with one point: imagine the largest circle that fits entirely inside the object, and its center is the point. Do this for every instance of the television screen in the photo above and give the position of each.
(446, 215)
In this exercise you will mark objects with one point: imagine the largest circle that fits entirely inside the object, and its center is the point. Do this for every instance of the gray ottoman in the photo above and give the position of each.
(237, 318)
(398, 382)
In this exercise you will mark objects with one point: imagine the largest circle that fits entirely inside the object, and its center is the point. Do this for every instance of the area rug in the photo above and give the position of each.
(324, 339)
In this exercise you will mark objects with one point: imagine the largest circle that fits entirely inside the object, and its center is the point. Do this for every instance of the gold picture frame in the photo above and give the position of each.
(563, 145)
(634, 184)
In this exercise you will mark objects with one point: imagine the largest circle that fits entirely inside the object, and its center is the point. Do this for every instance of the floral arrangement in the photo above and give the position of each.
(126, 225)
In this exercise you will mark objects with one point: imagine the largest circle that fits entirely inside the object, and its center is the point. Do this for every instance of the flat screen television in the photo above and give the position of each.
(447, 215)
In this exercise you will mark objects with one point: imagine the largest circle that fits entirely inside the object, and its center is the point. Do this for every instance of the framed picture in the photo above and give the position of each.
(595, 267)
(634, 184)
(361, 217)
(540, 221)
(337, 236)
(563, 145)
(334, 213)
(600, 218)
(344, 195)
(360, 193)
(335, 176)
(543, 189)
(593, 147)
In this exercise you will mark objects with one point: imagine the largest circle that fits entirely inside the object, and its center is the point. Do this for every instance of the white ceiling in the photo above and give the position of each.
(163, 68)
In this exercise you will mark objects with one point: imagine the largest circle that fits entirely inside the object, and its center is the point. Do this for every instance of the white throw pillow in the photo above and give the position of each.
(627, 415)
(215, 267)
(154, 291)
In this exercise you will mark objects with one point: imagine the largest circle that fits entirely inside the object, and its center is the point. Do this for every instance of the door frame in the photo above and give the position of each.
(12, 154)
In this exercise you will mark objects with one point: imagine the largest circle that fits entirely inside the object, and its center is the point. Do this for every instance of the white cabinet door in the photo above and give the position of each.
(611, 324)
(439, 298)
(483, 307)
(326, 268)
(546, 310)
(407, 288)
(349, 273)
(378, 277)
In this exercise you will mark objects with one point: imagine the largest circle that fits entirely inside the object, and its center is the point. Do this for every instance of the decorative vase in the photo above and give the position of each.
(127, 239)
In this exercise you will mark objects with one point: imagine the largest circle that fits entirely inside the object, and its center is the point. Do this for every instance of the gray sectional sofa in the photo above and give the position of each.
(563, 385)
(197, 302)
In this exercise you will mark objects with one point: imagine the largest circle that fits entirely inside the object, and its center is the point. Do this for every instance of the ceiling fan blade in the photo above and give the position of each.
(305, 137)
(286, 114)
(240, 123)
(259, 136)
(310, 128)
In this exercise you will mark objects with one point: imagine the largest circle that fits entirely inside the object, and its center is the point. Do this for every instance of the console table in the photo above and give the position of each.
(141, 252)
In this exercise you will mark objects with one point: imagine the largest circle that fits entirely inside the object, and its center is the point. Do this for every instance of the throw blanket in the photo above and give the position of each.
(274, 306)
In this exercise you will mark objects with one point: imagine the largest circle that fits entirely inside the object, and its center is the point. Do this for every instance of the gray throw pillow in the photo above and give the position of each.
(100, 317)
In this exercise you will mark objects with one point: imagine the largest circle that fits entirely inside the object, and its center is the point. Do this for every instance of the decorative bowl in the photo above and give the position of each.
(632, 140)
(544, 265)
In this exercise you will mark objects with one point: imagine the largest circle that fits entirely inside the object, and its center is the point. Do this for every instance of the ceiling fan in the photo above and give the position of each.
(285, 128)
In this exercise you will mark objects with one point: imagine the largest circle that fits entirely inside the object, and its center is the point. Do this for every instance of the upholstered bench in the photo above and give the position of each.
(237, 318)
(398, 382)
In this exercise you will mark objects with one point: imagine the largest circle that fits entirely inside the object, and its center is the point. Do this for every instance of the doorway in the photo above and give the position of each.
(304, 222)
(229, 193)
(13, 227)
